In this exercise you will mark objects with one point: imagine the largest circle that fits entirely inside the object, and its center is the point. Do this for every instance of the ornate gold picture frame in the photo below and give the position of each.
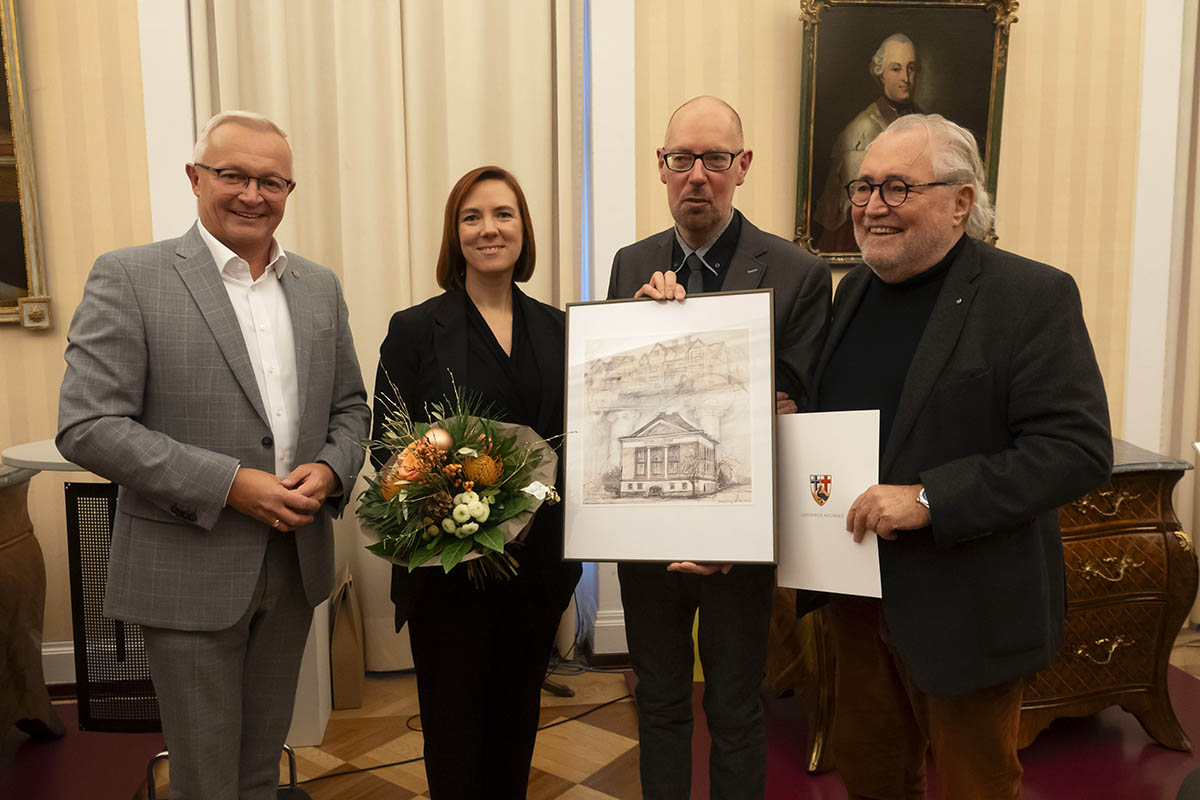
(864, 62)
(24, 295)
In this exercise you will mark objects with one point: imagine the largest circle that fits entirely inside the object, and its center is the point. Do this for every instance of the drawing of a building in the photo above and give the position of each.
(668, 457)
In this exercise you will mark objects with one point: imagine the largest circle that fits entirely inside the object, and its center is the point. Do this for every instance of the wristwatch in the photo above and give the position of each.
(923, 498)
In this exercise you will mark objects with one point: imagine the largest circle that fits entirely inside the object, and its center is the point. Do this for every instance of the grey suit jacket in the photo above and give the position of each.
(800, 280)
(159, 397)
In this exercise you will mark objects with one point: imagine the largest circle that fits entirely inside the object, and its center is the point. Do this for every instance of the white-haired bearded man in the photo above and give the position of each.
(992, 415)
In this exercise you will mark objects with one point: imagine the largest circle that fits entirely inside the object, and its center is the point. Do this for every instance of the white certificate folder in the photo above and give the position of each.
(823, 462)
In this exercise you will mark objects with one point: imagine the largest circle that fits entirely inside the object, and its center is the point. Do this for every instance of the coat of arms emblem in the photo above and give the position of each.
(820, 486)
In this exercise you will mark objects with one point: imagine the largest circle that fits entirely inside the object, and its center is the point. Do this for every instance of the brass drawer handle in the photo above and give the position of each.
(1106, 643)
(1089, 569)
(1115, 499)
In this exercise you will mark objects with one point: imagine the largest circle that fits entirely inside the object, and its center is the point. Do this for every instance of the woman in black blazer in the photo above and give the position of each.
(481, 654)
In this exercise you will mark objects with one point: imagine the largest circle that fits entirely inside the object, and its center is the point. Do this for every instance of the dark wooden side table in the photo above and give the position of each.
(1131, 581)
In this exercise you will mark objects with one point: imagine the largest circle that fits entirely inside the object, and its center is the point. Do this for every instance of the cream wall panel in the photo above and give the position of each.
(748, 55)
(82, 68)
(1069, 138)
(1068, 158)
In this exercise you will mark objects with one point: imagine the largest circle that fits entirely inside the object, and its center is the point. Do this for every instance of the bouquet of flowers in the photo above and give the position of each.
(457, 490)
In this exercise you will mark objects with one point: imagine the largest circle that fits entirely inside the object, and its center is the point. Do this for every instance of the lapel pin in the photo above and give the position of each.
(958, 301)
(296, 274)
(752, 271)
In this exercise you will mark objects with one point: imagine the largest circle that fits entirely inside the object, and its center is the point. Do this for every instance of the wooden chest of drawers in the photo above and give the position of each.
(1131, 580)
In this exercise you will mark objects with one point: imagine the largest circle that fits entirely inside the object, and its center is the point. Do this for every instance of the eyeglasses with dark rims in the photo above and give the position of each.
(893, 192)
(236, 179)
(715, 161)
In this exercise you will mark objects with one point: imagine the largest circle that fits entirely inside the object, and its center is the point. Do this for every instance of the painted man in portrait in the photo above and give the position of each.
(895, 67)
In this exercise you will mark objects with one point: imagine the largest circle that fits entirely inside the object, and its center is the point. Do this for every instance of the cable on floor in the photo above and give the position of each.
(409, 722)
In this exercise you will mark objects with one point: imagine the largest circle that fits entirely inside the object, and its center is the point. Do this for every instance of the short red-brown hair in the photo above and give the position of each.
(452, 264)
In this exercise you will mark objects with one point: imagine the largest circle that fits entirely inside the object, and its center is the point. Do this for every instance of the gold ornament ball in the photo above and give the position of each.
(440, 439)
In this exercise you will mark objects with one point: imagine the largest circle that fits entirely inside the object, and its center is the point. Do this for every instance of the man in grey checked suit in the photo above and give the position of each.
(214, 378)
(712, 248)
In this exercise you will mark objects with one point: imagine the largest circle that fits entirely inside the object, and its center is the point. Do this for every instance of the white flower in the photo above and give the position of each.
(469, 529)
(482, 513)
(476, 508)
(470, 497)
(461, 514)
(448, 525)
(459, 499)
(537, 489)
(462, 532)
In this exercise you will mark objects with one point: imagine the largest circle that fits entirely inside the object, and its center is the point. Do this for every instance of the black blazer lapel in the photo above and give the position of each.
(661, 259)
(937, 343)
(450, 341)
(746, 268)
(849, 294)
(546, 339)
(199, 272)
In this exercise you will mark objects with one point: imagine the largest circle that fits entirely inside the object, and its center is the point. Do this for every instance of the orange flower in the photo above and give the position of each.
(390, 484)
(409, 465)
(406, 468)
(484, 469)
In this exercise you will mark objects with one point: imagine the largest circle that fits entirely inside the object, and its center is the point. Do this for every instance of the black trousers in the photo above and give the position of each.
(735, 618)
(480, 658)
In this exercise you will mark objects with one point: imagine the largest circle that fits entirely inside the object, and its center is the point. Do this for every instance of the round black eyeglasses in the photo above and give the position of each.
(893, 192)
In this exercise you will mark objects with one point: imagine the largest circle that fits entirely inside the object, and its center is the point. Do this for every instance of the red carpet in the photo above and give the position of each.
(1103, 757)
(82, 764)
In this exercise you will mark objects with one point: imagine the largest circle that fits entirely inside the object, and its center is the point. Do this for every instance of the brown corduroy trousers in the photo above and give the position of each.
(884, 725)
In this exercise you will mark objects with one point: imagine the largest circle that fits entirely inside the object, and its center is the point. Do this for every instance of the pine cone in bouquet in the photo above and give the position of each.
(439, 505)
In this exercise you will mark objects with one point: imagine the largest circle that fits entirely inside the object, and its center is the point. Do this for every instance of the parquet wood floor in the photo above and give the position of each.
(591, 758)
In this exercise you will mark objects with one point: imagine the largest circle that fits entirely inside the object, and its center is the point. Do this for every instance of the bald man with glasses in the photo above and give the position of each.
(712, 248)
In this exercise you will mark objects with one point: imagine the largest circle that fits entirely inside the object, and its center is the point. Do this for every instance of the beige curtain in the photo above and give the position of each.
(387, 103)
(1182, 401)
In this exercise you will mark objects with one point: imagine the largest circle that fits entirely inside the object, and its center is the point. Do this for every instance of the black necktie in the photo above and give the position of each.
(695, 280)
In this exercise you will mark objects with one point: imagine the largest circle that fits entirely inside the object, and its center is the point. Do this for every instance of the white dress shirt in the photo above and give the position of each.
(262, 312)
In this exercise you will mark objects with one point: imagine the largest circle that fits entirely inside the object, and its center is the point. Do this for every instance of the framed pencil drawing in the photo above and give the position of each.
(866, 62)
(670, 422)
